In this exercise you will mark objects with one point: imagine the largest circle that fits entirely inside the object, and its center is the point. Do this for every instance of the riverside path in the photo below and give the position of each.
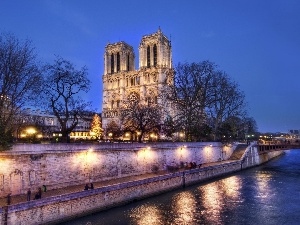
(78, 188)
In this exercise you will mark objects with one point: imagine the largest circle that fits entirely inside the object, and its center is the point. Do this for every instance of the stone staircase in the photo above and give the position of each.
(238, 152)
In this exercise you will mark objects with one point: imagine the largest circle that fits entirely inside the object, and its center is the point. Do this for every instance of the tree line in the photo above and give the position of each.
(209, 105)
(206, 103)
(24, 81)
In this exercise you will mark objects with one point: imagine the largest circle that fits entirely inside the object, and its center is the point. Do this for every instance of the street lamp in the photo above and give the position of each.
(110, 135)
(30, 133)
(181, 136)
(138, 133)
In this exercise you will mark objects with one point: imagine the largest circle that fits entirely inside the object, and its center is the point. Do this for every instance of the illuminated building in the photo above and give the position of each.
(121, 81)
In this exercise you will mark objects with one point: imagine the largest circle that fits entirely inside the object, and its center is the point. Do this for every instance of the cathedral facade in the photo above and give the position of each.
(121, 81)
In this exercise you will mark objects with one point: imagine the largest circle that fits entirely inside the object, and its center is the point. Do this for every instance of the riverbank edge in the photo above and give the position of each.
(60, 208)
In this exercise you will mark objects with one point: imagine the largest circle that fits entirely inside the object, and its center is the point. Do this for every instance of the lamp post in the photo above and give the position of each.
(138, 133)
(181, 135)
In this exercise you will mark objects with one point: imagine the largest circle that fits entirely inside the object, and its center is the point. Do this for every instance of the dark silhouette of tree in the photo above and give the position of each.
(204, 100)
(113, 130)
(140, 118)
(19, 79)
(228, 101)
(237, 128)
(191, 94)
(62, 86)
(168, 127)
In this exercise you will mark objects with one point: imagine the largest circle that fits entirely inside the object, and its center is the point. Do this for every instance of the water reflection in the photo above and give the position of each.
(231, 187)
(184, 208)
(212, 201)
(146, 214)
(262, 181)
(218, 197)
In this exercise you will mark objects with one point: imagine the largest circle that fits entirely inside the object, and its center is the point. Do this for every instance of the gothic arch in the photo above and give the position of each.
(133, 96)
(154, 55)
(154, 76)
(114, 100)
(151, 97)
(16, 178)
(148, 57)
(112, 63)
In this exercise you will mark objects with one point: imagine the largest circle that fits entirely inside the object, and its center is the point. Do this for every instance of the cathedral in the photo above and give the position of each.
(121, 81)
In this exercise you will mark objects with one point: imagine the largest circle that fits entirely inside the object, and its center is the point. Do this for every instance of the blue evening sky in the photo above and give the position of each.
(257, 42)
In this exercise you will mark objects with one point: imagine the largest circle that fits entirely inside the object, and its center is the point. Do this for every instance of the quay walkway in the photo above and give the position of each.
(78, 188)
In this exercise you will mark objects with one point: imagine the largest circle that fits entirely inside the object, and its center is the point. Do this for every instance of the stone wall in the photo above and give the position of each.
(252, 157)
(58, 208)
(61, 165)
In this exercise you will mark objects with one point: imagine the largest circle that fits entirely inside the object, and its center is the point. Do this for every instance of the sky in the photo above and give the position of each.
(257, 43)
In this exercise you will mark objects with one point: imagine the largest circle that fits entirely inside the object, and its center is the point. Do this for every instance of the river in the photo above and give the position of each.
(267, 195)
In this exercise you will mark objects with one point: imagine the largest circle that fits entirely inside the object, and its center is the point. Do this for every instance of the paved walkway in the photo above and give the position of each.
(77, 188)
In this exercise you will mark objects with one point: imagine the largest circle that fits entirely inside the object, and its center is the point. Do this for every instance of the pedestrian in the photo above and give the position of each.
(86, 187)
(92, 186)
(40, 192)
(28, 194)
(44, 188)
(9, 199)
(37, 196)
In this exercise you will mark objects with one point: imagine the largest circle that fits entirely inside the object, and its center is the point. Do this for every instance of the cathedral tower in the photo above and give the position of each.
(155, 51)
(121, 81)
(118, 57)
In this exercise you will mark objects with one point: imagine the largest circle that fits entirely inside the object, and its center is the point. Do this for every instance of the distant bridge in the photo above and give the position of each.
(262, 148)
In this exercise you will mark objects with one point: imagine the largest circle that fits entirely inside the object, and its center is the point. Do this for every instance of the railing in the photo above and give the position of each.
(277, 147)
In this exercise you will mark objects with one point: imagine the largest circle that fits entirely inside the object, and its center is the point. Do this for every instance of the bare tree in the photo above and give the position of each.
(191, 94)
(228, 101)
(61, 88)
(142, 118)
(19, 79)
(113, 130)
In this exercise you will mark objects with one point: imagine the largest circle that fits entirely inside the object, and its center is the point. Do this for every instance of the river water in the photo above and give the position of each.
(267, 195)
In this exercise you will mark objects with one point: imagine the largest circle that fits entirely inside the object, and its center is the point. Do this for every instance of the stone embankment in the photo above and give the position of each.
(141, 183)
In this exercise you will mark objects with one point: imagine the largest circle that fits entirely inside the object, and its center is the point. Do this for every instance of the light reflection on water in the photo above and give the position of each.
(266, 195)
(146, 214)
(184, 208)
